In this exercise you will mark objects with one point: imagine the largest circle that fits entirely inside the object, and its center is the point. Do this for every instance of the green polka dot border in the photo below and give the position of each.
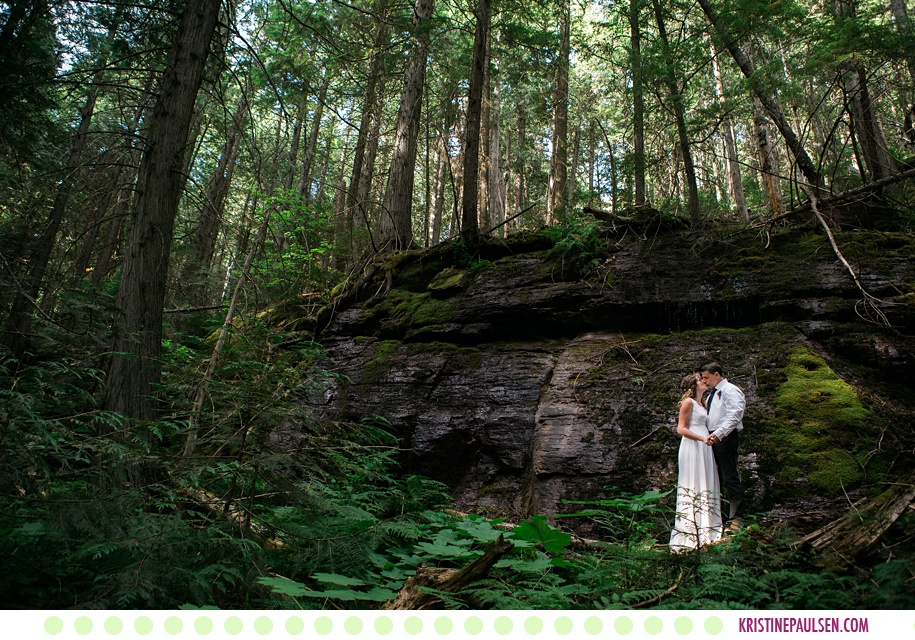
(402, 625)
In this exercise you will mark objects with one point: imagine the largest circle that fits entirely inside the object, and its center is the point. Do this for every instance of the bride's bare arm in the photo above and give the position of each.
(686, 410)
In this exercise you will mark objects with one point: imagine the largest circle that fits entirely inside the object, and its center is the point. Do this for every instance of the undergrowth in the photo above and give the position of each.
(275, 509)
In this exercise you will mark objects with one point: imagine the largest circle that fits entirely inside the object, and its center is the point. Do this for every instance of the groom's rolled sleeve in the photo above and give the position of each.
(733, 404)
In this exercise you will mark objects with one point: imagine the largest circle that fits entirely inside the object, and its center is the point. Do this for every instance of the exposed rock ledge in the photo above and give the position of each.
(521, 384)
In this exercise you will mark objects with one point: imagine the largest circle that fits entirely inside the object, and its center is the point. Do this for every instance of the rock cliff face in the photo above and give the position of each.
(522, 382)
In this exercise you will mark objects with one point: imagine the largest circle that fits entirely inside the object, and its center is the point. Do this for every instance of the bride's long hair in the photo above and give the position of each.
(689, 385)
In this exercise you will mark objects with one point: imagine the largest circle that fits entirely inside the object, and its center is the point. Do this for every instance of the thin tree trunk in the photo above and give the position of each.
(396, 225)
(121, 189)
(304, 186)
(613, 194)
(134, 369)
(592, 142)
(470, 228)
(769, 102)
(508, 177)
(880, 163)
(735, 182)
(203, 243)
(519, 153)
(559, 161)
(768, 160)
(483, 214)
(20, 314)
(369, 127)
(638, 104)
(295, 143)
(126, 195)
(496, 190)
(571, 182)
(904, 27)
(676, 98)
(438, 206)
(204, 385)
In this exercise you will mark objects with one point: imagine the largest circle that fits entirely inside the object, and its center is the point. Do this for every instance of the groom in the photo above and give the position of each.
(725, 403)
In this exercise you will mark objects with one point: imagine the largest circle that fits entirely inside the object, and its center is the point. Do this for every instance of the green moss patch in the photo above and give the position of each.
(449, 279)
(402, 310)
(377, 367)
(820, 431)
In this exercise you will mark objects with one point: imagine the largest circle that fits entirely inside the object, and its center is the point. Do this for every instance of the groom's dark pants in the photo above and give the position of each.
(726, 459)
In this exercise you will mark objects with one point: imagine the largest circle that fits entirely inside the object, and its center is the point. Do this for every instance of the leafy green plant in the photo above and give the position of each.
(580, 243)
(630, 518)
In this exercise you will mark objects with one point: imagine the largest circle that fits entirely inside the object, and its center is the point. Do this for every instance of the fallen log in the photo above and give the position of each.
(410, 597)
(235, 515)
(843, 196)
(863, 526)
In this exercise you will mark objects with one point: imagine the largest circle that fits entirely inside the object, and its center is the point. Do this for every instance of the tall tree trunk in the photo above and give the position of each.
(592, 142)
(880, 163)
(508, 179)
(134, 369)
(559, 167)
(396, 223)
(485, 221)
(769, 102)
(735, 182)
(520, 155)
(571, 182)
(125, 198)
(638, 104)
(203, 243)
(496, 190)
(676, 98)
(613, 190)
(325, 163)
(295, 143)
(304, 185)
(20, 313)
(438, 195)
(470, 228)
(357, 210)
(204, 385)
(904, 27)
(768, 160)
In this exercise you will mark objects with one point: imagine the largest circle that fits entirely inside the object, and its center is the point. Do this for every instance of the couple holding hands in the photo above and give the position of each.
(710, 420)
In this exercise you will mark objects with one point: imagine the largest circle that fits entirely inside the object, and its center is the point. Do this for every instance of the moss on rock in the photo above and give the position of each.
(820, 430)
(400, 310)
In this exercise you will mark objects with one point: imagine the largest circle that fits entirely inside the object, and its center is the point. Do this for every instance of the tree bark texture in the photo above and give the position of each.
(304, 185)
(396, 224)
(470, 226)
(496, 188)
(735, 181)
(559, 161)
(877, 158)
(203, 243)
(134, 369)
(638, 104)
(483, 202)
(367, 141)
(904, 27)
(447, 580)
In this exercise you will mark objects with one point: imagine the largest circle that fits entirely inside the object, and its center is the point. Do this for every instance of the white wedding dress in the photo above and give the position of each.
(698, 520)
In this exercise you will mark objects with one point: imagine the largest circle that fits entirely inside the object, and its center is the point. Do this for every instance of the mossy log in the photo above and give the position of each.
(411, 597)
(861, 527)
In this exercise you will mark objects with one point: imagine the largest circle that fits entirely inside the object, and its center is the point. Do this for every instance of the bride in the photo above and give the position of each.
(698, 520)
